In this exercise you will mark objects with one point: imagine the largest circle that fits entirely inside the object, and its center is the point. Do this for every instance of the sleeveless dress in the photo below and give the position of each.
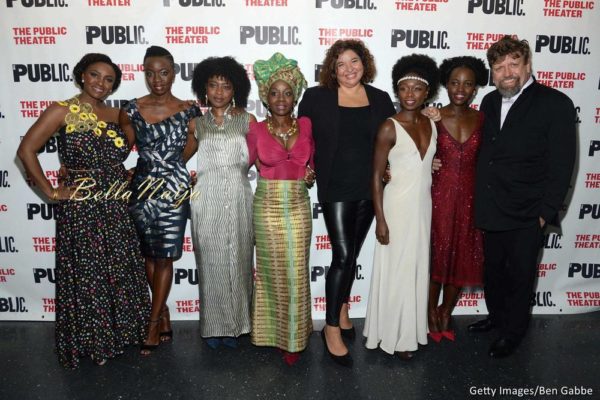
(456, 245)
(222, 226)
(397, 308)
(160, 181)
(102, 301)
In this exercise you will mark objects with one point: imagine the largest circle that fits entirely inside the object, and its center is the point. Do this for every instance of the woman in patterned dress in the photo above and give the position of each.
(102, 299)
(222, 212)
(162, 127)
(283, 147)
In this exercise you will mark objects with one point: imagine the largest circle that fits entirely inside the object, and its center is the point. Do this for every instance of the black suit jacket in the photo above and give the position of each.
(524, 169)
(320, 104)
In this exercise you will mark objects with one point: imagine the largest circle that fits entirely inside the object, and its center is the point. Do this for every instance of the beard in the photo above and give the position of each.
(508, 92)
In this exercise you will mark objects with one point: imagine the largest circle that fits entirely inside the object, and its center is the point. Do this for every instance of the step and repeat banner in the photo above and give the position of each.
(41, 40)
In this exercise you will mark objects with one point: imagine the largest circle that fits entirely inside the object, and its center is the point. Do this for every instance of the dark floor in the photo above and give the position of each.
(559, 353)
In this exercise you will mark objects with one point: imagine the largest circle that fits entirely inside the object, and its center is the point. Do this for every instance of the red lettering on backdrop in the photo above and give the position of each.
(328, 36)
(37, 35)
(559, 79)
(190, 34)
(33, 108)
(187, 306)
(48, 305)
(483, 40)
(266, 3)
(566, 8)
(588, 241)
(418, 5)
(44, 244)
(109, 3)
(583, 299)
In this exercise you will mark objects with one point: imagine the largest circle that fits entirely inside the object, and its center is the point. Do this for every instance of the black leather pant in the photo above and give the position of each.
(347, 224)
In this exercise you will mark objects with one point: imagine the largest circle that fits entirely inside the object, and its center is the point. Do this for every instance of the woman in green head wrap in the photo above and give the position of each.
(282, 148)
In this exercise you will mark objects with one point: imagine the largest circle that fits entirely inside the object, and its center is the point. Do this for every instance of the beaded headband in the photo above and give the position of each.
(416, 78)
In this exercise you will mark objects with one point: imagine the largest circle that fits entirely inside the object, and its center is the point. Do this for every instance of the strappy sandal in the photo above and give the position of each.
(147, 349)
(165, 336)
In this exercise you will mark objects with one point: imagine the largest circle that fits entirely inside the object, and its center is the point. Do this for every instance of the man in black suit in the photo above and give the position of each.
(523, 173)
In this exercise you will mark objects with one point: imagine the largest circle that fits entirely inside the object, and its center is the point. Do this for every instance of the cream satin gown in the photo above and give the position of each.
(397, 308)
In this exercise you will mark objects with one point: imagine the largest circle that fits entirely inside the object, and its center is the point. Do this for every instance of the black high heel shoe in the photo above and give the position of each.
(147, 349)
(344, 361)
(166, 336)
(349, 333)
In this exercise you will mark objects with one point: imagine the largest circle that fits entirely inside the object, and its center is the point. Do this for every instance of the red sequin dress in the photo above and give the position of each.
(456, 245)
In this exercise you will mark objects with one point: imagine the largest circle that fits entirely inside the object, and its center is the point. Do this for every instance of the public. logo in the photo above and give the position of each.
(7, 244)
(116, 34)
(589, 210)
(42, 72)
(44, 274)
(261, 35)
(558, 44)
(420, 39)
(584, 270)
(195, 3)
(41, 210)
(497, 7)
(38, 3)
(348, 4)
(186, 274)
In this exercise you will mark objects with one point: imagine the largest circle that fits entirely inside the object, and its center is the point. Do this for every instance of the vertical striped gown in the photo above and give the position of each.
(222, 226)
(281, 311)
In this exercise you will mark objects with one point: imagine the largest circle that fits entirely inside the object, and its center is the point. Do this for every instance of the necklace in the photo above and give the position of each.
(226, 116)
(81, 118)
(283, 135)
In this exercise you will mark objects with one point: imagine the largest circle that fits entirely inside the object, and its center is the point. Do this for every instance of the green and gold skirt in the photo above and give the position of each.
(281, 303)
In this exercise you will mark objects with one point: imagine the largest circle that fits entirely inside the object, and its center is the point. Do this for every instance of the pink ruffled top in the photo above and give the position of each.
(275, 161)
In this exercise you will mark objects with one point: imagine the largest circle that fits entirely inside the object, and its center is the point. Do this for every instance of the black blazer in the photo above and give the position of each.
(320, 104)
(524, 169)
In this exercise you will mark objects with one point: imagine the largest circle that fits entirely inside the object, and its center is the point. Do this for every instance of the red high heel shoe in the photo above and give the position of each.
(289, 358)
(445, 322)
(435, 336)
(434, 323)
(449, 334)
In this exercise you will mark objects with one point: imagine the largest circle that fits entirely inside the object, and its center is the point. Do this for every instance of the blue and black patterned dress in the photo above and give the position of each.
(160, 180)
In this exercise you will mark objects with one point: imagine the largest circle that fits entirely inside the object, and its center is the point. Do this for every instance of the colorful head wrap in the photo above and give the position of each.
(278, 68)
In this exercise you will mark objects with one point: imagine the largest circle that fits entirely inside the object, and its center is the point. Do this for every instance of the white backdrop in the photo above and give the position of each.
(41, 40)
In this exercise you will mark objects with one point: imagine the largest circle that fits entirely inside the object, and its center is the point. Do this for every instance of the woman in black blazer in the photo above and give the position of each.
(345, 112)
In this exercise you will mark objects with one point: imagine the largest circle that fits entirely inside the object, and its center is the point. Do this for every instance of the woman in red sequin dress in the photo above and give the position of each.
(456, 246)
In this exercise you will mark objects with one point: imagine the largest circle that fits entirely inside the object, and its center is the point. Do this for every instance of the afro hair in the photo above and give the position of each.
(420, 65)
(223, 67)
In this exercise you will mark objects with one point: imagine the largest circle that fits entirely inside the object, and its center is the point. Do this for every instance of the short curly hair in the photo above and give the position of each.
(508, 45)
(93, 58)
(327, 76)
(223, 67)
(474, 64)
(421, 65)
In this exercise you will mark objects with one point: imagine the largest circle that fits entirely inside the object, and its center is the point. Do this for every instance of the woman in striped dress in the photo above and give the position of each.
(283, 147)
(222, 211)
